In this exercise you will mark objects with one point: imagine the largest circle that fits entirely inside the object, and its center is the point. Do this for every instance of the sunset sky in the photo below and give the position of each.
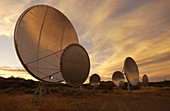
(110, 31)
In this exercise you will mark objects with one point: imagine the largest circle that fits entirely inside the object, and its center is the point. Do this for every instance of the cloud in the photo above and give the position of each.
(6, 71)
(111, 30)
(141, 32)
(11, 69)
(10, 10)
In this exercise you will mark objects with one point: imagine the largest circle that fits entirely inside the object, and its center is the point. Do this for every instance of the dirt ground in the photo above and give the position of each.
(145, 99)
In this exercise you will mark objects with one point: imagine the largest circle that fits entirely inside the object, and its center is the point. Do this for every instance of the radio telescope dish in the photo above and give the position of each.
(145, 80)
(131, 71)
(41, 34)
(117, 77)
(95, 80)
(75, 64)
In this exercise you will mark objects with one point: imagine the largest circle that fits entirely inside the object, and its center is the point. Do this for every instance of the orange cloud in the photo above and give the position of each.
(112, 30)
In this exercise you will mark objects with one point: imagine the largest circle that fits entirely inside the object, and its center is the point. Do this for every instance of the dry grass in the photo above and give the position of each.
(147, 98)
(60, 103)
(22, 103)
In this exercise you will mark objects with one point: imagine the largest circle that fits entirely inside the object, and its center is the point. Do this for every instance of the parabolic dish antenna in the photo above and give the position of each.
(145, 80)
(117, 77)
(131, 71)
(75, 64)
(41, 34)
(95, 80)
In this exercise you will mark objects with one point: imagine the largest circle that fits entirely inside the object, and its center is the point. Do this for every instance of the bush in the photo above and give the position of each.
(105, 91)
(29, 91)
(10, 90)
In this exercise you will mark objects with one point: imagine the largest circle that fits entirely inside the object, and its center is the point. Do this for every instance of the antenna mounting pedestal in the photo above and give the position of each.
(41, 91)
(128, 87)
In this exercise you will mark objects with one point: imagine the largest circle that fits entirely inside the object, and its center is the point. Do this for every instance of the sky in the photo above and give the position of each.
(110, 31)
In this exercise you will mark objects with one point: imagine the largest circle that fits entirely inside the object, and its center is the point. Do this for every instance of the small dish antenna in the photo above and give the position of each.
(131, 72)
(95, 80)
(145, 80)
(117, 77)
(75, 65)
